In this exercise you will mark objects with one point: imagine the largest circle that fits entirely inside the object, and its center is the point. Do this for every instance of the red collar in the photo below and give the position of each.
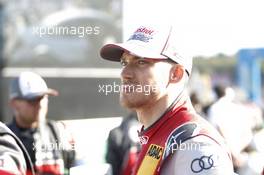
(181, 103)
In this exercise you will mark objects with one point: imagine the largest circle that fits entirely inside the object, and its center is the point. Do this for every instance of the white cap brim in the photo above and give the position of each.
(113, 52)
(32, 96)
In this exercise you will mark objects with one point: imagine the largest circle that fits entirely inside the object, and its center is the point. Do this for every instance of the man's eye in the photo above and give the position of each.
(141, 62)
(123, 63)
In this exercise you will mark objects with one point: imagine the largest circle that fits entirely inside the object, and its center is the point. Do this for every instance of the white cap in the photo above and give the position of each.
(29, 85)
(149, 42)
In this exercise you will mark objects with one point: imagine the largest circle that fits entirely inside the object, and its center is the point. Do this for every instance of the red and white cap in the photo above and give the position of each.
(149, 42)
(29, 86)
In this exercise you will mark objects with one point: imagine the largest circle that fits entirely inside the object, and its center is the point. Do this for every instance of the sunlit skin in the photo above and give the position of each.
(28, 113)
(162, 75)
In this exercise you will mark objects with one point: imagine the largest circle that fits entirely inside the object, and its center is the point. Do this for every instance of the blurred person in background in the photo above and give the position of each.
(237, 123)
(47, 142)
(150, 58)
(197, 104)
(13, 155)
(123, 145)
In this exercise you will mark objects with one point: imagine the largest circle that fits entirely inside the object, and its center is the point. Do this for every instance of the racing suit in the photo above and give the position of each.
(13, 155)
(182, 143)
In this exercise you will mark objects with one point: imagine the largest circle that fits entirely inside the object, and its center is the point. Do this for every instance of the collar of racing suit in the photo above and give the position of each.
(182, 102)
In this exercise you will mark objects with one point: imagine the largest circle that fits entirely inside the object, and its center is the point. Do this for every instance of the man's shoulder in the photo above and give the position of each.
(190, 131)
(56, 126)
(11, 156)
(3, 128)
(61, 133)
(57, 129)
(199, 155)
(197, 146)
(7, 135)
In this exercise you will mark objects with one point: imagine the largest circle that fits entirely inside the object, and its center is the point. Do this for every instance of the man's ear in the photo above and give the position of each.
(176, 73)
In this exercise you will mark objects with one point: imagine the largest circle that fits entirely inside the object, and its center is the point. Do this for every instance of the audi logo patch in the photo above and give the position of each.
(202, 163)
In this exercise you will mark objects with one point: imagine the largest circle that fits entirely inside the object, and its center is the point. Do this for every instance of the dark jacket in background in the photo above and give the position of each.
(53, 156)
(119, 143)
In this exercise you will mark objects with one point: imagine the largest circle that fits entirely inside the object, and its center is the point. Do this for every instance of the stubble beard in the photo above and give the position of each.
(135, 100)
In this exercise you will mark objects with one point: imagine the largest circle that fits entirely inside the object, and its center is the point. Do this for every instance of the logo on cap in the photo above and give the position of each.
(142, 34)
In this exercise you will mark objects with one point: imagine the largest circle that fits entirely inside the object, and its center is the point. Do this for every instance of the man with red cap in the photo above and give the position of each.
(175, 140)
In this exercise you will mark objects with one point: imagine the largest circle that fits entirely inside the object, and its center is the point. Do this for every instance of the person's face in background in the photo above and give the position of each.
(28, 112)
(149, 74)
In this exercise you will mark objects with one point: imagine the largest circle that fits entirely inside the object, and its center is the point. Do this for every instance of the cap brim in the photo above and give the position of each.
(52, 92)
(33, 96)
(113, 52)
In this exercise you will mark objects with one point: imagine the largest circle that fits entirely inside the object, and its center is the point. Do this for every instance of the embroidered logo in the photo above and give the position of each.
(155, 151)
(142, 34)
(202, 163)
(143, 140)
(151, 160)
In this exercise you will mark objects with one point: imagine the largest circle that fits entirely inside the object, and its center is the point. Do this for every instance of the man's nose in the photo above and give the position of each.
(127, 72)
